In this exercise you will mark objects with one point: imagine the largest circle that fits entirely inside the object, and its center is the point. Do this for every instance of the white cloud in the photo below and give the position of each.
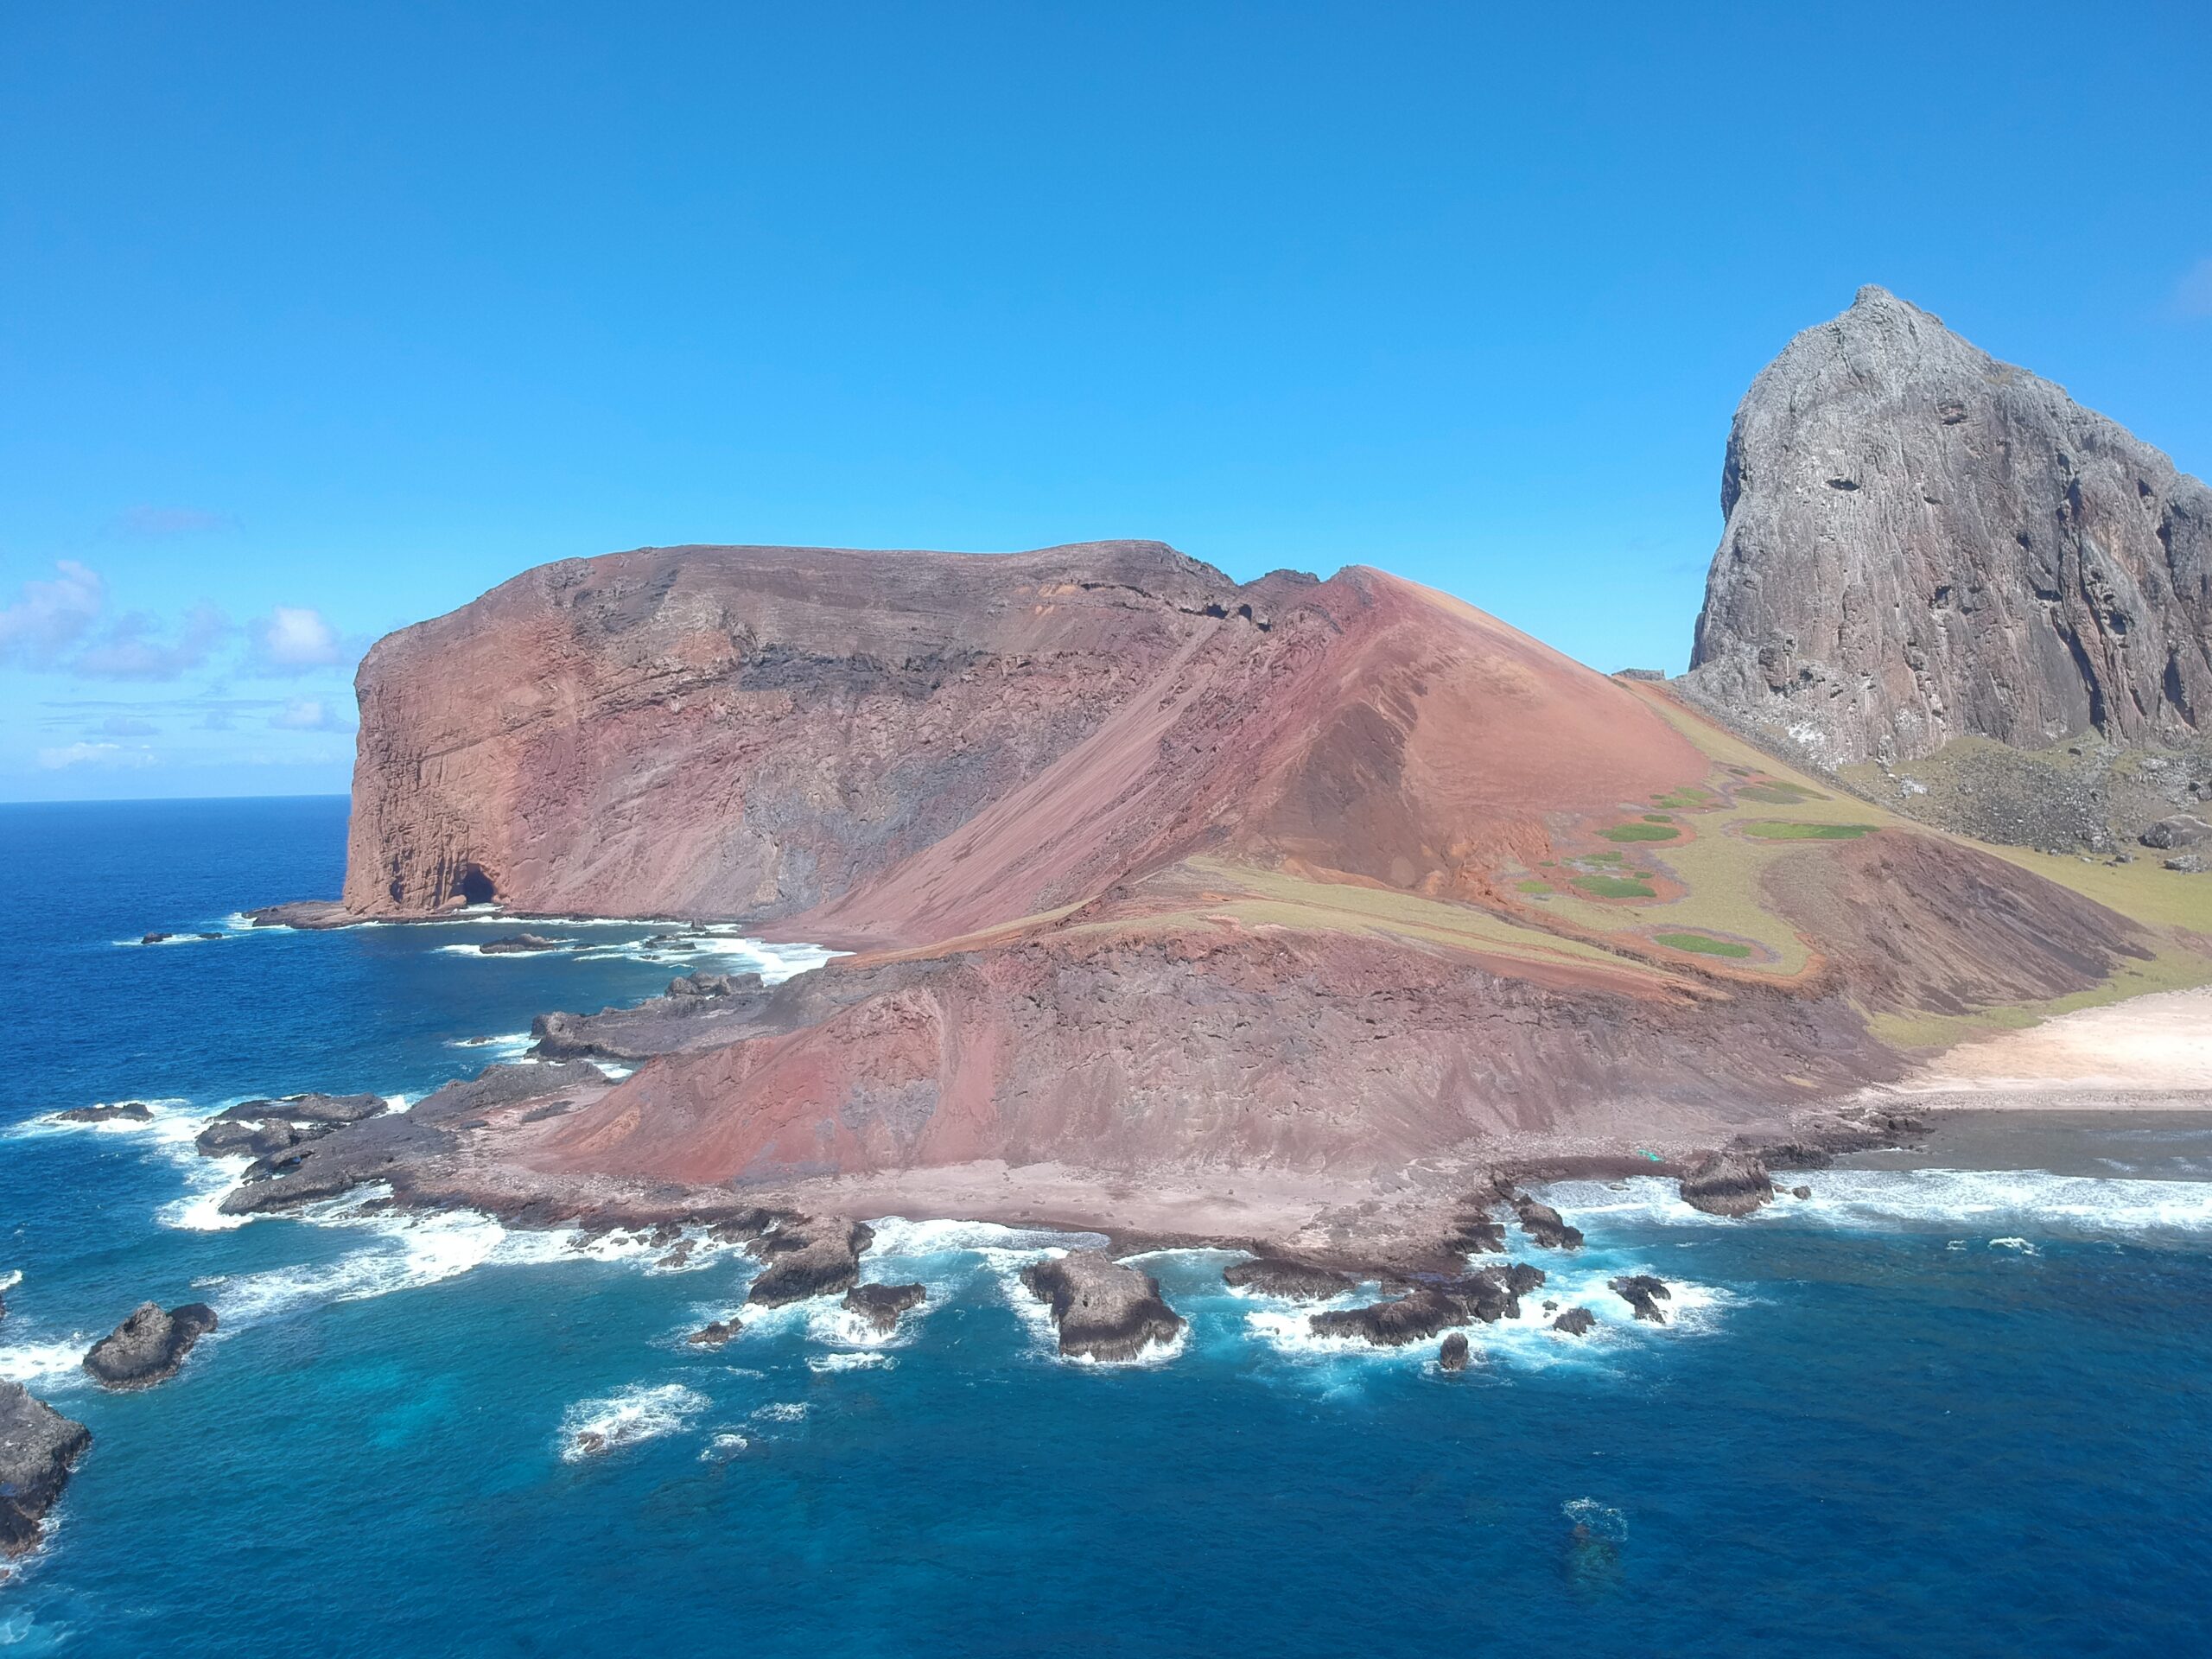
(2193, 293)
(294, 638)
(127, 650)
(127, 726)
(103, 755)
(308, 715)
(48, 617)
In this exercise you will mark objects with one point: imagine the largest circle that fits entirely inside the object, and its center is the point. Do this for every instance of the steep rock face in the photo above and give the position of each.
(906, 747)
(1924, 543)
(735, 730)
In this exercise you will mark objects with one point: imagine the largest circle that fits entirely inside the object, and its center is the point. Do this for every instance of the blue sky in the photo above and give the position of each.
(321, 318)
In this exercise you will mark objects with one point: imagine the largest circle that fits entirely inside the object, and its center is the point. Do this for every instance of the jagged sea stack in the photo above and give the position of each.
(1924, 543)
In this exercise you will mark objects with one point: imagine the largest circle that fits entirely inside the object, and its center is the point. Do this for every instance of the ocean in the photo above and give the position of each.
(1930, 1411)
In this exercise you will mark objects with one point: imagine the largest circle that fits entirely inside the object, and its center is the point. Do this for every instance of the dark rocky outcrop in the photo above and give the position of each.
(1103, 1310)
(266, 1129)
(1280, 1275)
(1727, 1184)
(1544, 1225)
(1575, 1322)
(311, 915)
(133, 1111)
(2182, 830)
(1452, 1355)
(38, 1448)
(1474, 1231)
(1800, 1192)
(715, 1333)
(807, 1257)
(881, 1305)
(1434, 1304)
(156, 938)
(697, 1009)
(149, 1346)
(1924, 544)
(518, 944)
(1642, 1292)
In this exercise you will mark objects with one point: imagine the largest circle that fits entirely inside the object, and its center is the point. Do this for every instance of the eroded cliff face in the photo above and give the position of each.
(905, 748)
(738, 731)
(1922, 542)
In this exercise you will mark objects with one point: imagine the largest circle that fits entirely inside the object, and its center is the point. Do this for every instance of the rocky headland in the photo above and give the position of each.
(1103, 1309)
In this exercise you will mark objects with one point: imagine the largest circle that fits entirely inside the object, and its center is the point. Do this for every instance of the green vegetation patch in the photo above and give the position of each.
(1685, 799)
(1775, 831)
(1704, 944)
(1641, 832)
(1657, 817)
(1534, 886)
(1615, 886)
(1778, 794)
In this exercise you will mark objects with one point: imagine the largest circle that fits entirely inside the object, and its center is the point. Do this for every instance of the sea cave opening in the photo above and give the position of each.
(474, 886)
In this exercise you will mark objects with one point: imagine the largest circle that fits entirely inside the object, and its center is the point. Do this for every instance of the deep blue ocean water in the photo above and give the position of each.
(1926, 1413)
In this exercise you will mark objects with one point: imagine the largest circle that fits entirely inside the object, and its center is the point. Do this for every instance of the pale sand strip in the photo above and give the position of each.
(2155, 1049)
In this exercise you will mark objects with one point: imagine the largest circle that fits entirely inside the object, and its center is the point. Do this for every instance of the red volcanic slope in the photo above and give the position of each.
(907, 748)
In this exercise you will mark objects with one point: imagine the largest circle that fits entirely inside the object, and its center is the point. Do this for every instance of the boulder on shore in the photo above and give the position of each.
(1642, 1292)
(149, 1346)
(807, 1257)
(881, 1305)
(38, 1448)
(1280, 1275)
(1103, 1310)
(1452, 1355)
(1727, 1184)
(134, 1111)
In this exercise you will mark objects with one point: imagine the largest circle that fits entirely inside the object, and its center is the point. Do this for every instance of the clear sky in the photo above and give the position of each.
(319, 318)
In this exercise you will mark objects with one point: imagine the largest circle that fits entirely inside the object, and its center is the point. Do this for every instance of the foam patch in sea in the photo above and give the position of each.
(628, 1417)
(2016, 1201)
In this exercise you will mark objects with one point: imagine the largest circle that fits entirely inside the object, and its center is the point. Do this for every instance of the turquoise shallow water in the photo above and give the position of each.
(1928, 1412)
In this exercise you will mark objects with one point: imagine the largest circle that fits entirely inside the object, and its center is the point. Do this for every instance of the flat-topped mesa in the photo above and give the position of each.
(910, 747)
(1924, 543)
(743, 731)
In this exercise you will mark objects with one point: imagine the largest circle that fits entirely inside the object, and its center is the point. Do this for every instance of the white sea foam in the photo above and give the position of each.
(628, 1417)
(2025, 1199)
(848, 1362)
(781, 1411)
(722, 1447)
(172, 1119)
(50, 1362)
(10, 1279)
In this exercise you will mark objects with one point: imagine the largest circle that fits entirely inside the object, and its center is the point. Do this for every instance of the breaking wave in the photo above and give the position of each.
(628, 1417)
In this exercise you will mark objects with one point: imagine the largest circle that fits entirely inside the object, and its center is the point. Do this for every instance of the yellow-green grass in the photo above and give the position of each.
(1263, 897)
(1616, 886)
(1703, 944)
(1641, 832)
(1771, 830)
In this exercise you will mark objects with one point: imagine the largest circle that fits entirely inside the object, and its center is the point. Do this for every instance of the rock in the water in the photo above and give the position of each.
(1104, 1310)
(807, 1257)
(1544, 1225)
(1642, 1292)
(38, 1448)
(156, 938)
(2183, 829)
(1727, 1184)
(133, 1111)
(1280, 1275)
(1800, 1192)
(881, 1305)
(1487, 1296)
(1452, 1355)
(1575, 1322)
(148, 1347)
(265, 1130)
(517, 944)
(1924, 543)
(314, 915)
(715, 1333)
